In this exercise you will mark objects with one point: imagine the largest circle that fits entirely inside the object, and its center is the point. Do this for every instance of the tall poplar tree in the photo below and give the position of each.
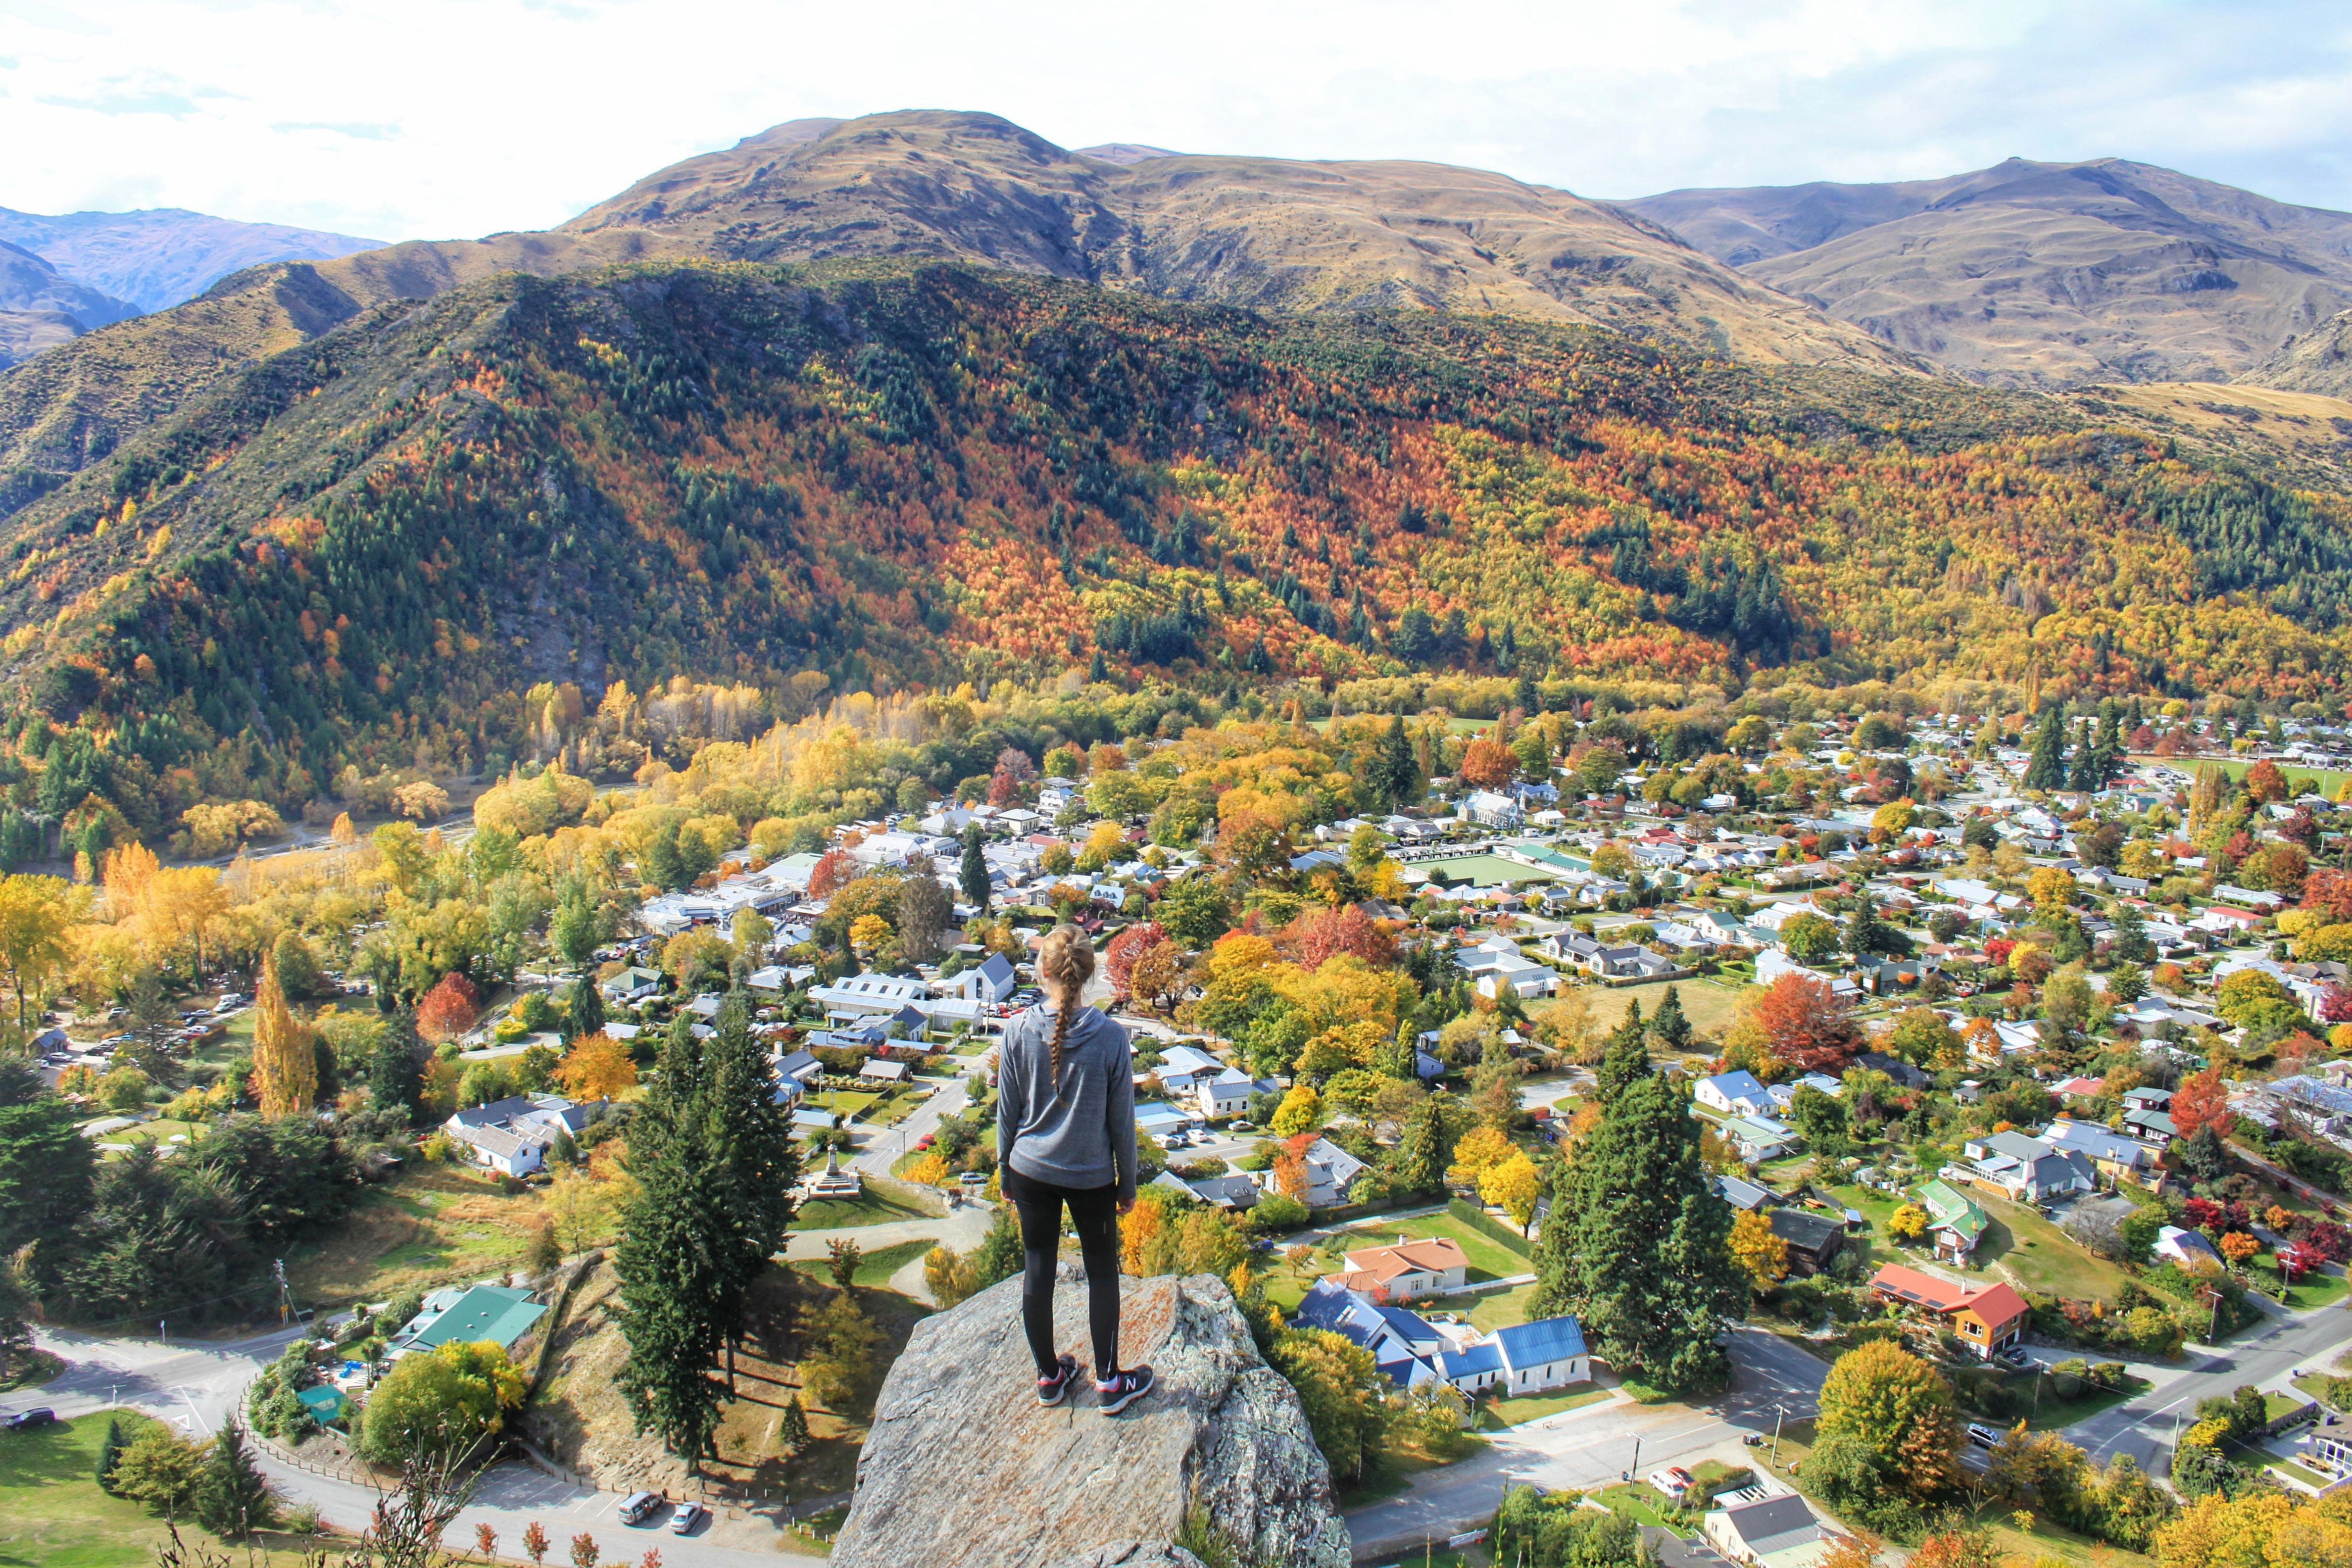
(285, 1062)
(1637, 1245)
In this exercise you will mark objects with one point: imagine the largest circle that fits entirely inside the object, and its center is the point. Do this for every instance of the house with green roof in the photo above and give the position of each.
(467, 1315)
(1956, 1221)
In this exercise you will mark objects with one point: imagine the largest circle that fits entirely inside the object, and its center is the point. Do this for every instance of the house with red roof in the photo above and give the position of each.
(1986, 1318)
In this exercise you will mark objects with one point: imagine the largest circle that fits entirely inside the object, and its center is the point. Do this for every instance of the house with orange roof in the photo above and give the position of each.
(1986, 1318)
(1408, 1269)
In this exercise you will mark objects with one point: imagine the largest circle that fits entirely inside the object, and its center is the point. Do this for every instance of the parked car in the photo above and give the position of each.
(638, 1507)
(27, 1420)
(687, 1515)
(1982, 1436)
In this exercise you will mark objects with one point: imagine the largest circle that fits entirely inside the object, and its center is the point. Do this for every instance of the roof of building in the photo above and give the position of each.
(498, 1313)
(1804, 1228)
(1378, 1265)
(1544, 1340)
(1773, 1524)
(1996, 1304)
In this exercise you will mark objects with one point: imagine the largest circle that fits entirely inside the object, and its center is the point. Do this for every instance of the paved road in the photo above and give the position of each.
(196, 1385)
(2143, 1428)
(884, 1145)
(1585, 1448)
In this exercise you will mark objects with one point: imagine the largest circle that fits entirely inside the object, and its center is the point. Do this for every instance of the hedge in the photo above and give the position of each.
(1485, 1225)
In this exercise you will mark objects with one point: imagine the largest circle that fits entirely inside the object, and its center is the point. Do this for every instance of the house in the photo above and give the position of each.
(870, 995)
(2025, 1168)
(1228, 1093)
(2186, 1248)
(883, 1072)
(1736, 1093)
(1330, 1171)
(992, 982)
(465, 1315)
(1956, 1222)
(1182, 1068)
(1987, 1318)
(1158, 1118)
(1759, 1138)
(1769, 1532)
(1812, 1238)
(1745, 1196)
(1433, 1266)
(1404, 1344)
(512, 1135)
(1904, 1075)
(1546, 1353)
(1237, 1193)
(2112, 1154)
(632, 985)
(2153, 1128)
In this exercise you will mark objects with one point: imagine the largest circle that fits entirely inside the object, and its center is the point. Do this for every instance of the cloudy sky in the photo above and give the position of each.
(405, 119)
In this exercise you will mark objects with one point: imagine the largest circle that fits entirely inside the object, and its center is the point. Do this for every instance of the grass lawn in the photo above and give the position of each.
(2040, 1256)
(836, 1213)
(52, 1514)
(1637, 1501)
(2055, 1413)
(896, 1108)
(875, 1267)
(162, 1129)
(2298, 775)
(2308, 1290)
(1487, 1310)
(844, 1103)
(1534, 1407)
(430, 1225)
(1709, 1004)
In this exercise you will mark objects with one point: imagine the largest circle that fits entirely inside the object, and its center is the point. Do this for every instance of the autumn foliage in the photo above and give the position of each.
(447, 1010)
(1807, 1025)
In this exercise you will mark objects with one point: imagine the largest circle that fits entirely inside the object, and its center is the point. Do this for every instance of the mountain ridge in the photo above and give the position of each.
(155, 257)
(2040, 274)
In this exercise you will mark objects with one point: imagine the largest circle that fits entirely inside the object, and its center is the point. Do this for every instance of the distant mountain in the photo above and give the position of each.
(30, 282)
(2317, 360)
(1261, 233)
(2040, 274)
(157, 258)
(24, 333)
(1125, 152)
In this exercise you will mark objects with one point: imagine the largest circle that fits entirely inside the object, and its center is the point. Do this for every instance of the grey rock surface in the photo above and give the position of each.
(963, 1468)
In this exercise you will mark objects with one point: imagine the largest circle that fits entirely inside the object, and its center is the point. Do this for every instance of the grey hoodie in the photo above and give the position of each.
(1083, 1136)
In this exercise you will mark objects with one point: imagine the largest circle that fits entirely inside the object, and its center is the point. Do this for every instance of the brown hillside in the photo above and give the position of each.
(1259, 232)
(2041, 274)
(2319, 360)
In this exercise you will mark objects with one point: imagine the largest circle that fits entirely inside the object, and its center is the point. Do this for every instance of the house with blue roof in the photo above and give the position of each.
(1736, 1093)
(1522, 1359)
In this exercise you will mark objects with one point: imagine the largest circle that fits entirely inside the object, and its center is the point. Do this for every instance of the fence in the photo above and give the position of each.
(1490, 1228)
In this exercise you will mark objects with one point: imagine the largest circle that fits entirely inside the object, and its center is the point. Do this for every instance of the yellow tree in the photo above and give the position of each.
(1512, 1185)
(180, 904)
(1764, 1256)
(596, 1067)
(1908, 1223)
(36, 917)
(285, 1062)
(1480, 1149)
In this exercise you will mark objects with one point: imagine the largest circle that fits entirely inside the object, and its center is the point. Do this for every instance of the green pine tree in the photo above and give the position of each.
(2083, 769)
(1625, 1055)
(395, 1078)
(1637, 1243)
(1424, 1150)
(1669, 1030)
(233, 1499)
(585, 1013)
(2047, 767)
(791, 1426)
(973, 873)
(109, 1451)
(1397, 774)
(1525, 693)
(998, 1256)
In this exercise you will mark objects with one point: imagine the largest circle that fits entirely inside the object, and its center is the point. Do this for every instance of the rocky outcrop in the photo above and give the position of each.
(964, 1469)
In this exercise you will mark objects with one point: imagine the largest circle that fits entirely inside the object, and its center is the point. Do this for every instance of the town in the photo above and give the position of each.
(1780, 1126)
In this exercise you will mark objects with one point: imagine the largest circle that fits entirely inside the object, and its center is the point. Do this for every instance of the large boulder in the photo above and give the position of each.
(963, 1466)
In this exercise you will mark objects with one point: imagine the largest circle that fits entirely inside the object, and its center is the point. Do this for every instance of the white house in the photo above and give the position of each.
(1489, 809)
(1399, 1272)
(1228, 1093)
(1736, 1093)
(1547, 1354)
(512, 1135)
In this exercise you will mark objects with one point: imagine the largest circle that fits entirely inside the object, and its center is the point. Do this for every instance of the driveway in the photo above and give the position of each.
(1585, 1448)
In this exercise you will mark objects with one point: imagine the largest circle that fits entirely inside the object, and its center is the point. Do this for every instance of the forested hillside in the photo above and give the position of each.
(370, 550)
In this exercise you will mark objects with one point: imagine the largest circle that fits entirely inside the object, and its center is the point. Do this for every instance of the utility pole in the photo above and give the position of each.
(1779, 1413)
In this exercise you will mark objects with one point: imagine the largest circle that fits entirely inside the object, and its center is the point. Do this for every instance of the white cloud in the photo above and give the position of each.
(461, 117)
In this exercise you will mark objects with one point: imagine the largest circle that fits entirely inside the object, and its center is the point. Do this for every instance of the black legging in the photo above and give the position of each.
(1094, 1215)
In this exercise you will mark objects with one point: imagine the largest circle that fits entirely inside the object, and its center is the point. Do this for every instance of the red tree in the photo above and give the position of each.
(1488, 763)
(1120, 956)
(2330, 890)
(447, 1008)
(2200, 1099)
(1320, 934)
(2265, 783)
(1807, 1025)
(835, 869)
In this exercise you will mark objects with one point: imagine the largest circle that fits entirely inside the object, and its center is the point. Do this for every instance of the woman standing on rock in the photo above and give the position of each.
(1066, 1136)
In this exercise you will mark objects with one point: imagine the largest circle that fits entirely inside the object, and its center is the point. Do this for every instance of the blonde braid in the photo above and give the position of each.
(1065, 962)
